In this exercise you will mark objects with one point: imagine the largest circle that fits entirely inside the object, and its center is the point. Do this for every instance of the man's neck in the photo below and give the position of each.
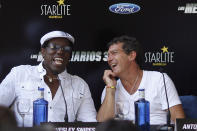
(130, 74)
(49, 72)
(131, 79)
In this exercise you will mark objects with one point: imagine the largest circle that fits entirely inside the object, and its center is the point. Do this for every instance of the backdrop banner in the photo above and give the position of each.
(166, 30)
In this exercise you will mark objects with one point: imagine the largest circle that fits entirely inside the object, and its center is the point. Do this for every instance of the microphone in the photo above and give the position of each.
(66, 114)
(76, 114)
(168, 126)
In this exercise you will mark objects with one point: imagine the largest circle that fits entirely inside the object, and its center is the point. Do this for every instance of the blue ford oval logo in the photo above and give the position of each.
(124, 8)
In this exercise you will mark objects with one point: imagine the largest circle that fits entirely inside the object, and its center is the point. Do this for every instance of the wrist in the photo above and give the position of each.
(110, 90)
(112, 87)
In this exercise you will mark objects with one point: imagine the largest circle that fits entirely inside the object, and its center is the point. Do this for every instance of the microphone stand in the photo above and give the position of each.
(168, 126)
(66, 114)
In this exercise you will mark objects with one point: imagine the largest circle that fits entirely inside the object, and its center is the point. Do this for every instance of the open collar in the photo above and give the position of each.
(42, 72)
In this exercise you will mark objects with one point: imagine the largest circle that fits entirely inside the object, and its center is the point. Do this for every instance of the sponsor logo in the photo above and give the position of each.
(55, 11)
(80, 56)
(124, 8)
(190, 8)
(161, 58)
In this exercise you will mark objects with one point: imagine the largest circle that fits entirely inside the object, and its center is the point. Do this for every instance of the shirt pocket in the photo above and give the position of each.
(27, 90)
(77, 99)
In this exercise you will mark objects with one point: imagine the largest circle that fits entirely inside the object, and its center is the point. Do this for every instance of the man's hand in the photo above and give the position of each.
(109, 78)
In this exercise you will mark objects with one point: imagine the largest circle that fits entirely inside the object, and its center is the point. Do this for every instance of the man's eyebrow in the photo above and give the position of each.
(114, 50)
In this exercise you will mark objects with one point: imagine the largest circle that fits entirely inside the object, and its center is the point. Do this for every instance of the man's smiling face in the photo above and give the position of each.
(118, 60)
(56, 55)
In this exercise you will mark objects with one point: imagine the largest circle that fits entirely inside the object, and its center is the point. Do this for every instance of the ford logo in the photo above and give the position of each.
(124, 8)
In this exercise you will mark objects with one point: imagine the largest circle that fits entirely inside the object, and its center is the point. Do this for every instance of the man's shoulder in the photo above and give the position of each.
(77, 79)
(154, 74)
(23, 68)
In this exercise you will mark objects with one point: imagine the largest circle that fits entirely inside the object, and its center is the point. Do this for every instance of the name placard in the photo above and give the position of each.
(186, 125)
(73, 126)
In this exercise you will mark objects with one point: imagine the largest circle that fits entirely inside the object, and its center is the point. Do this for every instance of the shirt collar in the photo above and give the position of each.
(42, 72)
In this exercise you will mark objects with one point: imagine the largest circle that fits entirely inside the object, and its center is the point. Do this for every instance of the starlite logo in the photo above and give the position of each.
(124, 8)
(55, 11)
(159, 58)
(190, 8)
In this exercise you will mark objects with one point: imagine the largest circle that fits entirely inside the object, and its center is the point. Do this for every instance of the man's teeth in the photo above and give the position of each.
(113, 65)
(58, 61)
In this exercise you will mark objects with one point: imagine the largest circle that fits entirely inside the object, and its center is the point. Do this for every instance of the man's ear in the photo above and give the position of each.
(132, 55)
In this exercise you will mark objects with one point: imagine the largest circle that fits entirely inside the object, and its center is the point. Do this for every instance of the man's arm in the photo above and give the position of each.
(176, 112)
(86, 111)
(7, 89)
(107, 108)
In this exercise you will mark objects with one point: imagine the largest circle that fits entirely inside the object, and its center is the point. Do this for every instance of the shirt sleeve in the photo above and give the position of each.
(172, 95)
(86, 111)
(103, 95)
(7, 89)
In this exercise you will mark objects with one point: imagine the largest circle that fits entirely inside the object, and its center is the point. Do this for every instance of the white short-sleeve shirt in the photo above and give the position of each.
(153, 84)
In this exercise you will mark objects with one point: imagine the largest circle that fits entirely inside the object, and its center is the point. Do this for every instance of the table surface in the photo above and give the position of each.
(62, 125)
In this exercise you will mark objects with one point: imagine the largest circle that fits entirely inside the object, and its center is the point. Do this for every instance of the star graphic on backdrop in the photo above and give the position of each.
(61, 2)
(164, 49)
